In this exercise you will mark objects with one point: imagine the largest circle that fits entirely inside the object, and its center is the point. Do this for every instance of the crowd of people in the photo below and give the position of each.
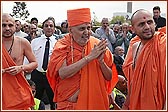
(76, 68)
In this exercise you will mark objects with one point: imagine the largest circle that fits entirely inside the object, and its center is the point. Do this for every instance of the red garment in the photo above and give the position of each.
(147, 81)
(16, 92)
(94, 89)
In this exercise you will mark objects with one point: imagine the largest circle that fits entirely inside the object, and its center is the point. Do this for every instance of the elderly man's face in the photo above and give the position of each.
(81, 33)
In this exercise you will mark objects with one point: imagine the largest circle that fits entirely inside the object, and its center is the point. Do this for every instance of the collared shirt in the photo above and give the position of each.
(21, 34)
(38, 47)
(110, 38)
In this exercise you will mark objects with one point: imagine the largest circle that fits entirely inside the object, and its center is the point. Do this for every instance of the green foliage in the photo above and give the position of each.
(97, 23)
(19, 10)
(116, 19)
(95, 20)
(94, 28)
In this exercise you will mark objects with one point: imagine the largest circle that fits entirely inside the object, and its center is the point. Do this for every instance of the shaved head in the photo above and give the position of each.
(139, 13)
(121, 78)
(6, 16)
(121, 84)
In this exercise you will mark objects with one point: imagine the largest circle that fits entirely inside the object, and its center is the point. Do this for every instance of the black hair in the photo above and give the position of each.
(156, 8)
(32, 19)
(17, 21)
(48, 20)
(64, 23)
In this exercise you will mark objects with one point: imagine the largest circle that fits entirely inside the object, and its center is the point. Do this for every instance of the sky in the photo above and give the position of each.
(58, 9)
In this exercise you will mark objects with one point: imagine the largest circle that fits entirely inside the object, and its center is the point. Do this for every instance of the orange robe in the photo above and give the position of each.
(163, 29)
(94, 89)
(16, 92)
(147, 81)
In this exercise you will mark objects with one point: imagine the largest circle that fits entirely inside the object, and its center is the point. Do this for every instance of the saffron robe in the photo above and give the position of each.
(163, 29)
(94, 89)
(147, 81)
(16, 92)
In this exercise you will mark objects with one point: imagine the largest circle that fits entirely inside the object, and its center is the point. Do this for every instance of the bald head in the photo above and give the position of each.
(119, 51)
(121, 78)
(121, 84)
(6, 16)
(141, 13)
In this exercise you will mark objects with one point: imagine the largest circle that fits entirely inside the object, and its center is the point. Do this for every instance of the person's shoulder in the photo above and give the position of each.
(36, 40)
(56, 36)
(21, 39)
(162, 18)
(98, 29)
(160, 36)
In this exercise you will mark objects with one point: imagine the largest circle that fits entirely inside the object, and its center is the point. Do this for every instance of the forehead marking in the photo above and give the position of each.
(144, 17)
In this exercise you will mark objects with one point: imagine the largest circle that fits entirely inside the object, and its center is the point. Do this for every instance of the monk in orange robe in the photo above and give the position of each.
(145, 65)
(81, 71)
(16, 92)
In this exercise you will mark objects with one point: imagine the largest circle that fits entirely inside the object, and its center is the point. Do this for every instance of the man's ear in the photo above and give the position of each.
(132, 28)
(70, 29)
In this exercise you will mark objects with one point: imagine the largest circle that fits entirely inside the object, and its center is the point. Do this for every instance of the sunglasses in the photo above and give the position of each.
(25, 26)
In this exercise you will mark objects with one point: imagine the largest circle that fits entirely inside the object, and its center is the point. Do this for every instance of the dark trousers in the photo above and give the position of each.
(42, 85)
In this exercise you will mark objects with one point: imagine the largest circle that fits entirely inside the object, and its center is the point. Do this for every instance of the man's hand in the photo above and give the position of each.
(107, 31)
(98, 50)
(124, 34)
(14, 70)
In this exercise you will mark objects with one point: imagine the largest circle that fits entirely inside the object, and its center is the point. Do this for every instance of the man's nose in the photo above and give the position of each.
(147, 25)
(86, 31)
(7, 27)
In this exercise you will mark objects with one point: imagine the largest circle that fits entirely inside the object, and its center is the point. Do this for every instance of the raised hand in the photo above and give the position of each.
(98, 50)
(107, 30)
(124, 34)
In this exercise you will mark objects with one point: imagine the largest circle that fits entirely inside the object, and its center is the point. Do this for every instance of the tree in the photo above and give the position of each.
(118, 19)
(19, 10)
(95, 20)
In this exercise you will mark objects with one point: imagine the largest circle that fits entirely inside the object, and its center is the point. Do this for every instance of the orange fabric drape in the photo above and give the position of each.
(94, 89)
(148, 79)
(16, 92)
(163, 29)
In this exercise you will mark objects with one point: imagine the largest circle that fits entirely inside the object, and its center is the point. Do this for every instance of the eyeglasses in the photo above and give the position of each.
(25, 26)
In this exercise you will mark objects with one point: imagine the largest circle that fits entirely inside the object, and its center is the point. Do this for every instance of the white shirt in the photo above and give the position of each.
(38, 47)
(21, 34)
